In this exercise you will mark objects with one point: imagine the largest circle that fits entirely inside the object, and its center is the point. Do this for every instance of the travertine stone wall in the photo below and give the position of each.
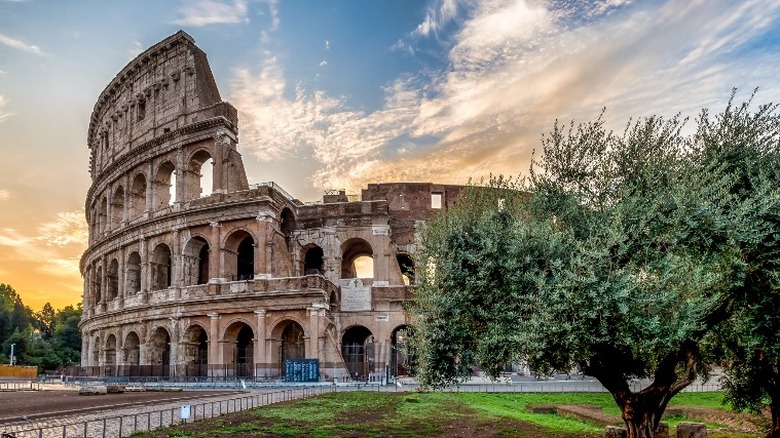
(180, 278)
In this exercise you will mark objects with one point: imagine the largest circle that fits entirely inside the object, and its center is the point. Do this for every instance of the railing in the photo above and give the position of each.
(126, 425)
(16, 385)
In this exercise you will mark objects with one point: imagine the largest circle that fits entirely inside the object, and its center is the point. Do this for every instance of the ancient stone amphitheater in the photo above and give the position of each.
(191, 271)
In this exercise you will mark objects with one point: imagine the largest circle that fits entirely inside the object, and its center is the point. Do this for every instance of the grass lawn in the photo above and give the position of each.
(472, 415)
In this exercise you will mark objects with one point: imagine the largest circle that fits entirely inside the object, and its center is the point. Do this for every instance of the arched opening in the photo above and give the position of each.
(133, 274)
(287, 225)
(109, 354)
(165, 185)
(161, 267)
(112, 280)
(245, 259)
(103, 215)
(97, 284)
(293, 345)
(402, 358)
(357, 259)
(96, 351)
(118, 207)
(334, 301)
(406, 264)
(138, 196)
(357, 349)
(200, 178)
(160, 352)
(132, 349)
(313, 261)
(196, 350)
(242, 354)
(196, 261)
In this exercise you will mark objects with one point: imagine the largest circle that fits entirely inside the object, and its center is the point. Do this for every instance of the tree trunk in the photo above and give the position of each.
(774, 408)
(641, 413)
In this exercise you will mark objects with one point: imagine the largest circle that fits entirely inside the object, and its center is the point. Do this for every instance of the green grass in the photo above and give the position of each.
(375, 414)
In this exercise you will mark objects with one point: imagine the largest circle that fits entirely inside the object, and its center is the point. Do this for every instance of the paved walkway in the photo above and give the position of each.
(122, 420)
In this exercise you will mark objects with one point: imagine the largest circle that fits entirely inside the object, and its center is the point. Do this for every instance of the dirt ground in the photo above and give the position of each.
(43, 404)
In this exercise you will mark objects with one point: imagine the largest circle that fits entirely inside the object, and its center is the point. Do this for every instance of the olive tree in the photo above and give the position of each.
(615, 255)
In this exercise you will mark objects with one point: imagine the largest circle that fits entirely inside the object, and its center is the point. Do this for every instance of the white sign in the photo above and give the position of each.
(382, 317)
(354, 296)
(185, 412)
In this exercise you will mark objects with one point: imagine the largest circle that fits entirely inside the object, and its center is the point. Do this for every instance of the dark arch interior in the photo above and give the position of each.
(245, 264)
(313, 261)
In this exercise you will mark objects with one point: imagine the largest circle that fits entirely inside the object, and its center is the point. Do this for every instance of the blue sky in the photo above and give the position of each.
(338, 93)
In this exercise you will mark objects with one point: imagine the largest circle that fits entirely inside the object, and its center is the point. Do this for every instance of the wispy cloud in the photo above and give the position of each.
(5, 195)
(4, 114)
(136, 50)
(18, 44)
(205, 12)
(514, 67)
(56, 246)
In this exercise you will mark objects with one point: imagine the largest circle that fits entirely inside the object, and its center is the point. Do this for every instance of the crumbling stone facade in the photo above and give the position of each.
(192, 271)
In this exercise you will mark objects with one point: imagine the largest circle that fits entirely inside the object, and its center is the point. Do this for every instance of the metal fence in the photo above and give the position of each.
(126, 425)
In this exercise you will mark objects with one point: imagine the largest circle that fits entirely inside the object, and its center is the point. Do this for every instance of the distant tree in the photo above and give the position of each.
(44, 320)
(620, 261)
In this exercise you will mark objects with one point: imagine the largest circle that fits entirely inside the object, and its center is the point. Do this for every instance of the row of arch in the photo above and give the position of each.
(357, 348)
(135, 273)
(128, 204)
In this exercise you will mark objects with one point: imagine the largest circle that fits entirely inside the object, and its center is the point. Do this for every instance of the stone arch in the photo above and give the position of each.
(165, 185)
(290, 338)
(159, 351)
(197, 255)
(357, 349)
(334, 301)
(97, 282)
(406, 265)
(200, 175)
(161, 267)
(109, 353)
(195, 347)
(357, 259)
(96, 351)
(312, 259)
(102, 214)
(242, 266)
(112, 280)
(138, 196)
(132, 349)
(238, 340)
(402, 357)
(118, 207)
(133, 274)
(287, 224)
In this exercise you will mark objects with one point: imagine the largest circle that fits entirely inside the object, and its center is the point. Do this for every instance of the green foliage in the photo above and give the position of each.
(48, 339)
(622, 254)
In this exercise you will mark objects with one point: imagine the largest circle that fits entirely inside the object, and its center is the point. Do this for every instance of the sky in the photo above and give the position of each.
(334, 94)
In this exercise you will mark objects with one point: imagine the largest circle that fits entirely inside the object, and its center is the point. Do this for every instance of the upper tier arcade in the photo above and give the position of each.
(152, 130)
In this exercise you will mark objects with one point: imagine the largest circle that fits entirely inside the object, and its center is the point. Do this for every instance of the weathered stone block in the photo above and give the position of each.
(691, 430)
(93, 390)
(615, 432)
(115, 389)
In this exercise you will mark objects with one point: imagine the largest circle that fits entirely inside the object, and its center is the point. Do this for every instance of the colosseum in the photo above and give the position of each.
(191, 271)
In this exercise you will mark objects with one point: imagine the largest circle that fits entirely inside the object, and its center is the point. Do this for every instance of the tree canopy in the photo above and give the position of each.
(620, 254)
(47, 339)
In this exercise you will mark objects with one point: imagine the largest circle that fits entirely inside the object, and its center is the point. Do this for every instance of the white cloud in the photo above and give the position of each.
(437, 17)
(205, 12)
(68, 227)
(514, 67)
(327, 45)
(5, 195)
(17, 44)
(323, 63)
(3, 113)
(136, 50)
